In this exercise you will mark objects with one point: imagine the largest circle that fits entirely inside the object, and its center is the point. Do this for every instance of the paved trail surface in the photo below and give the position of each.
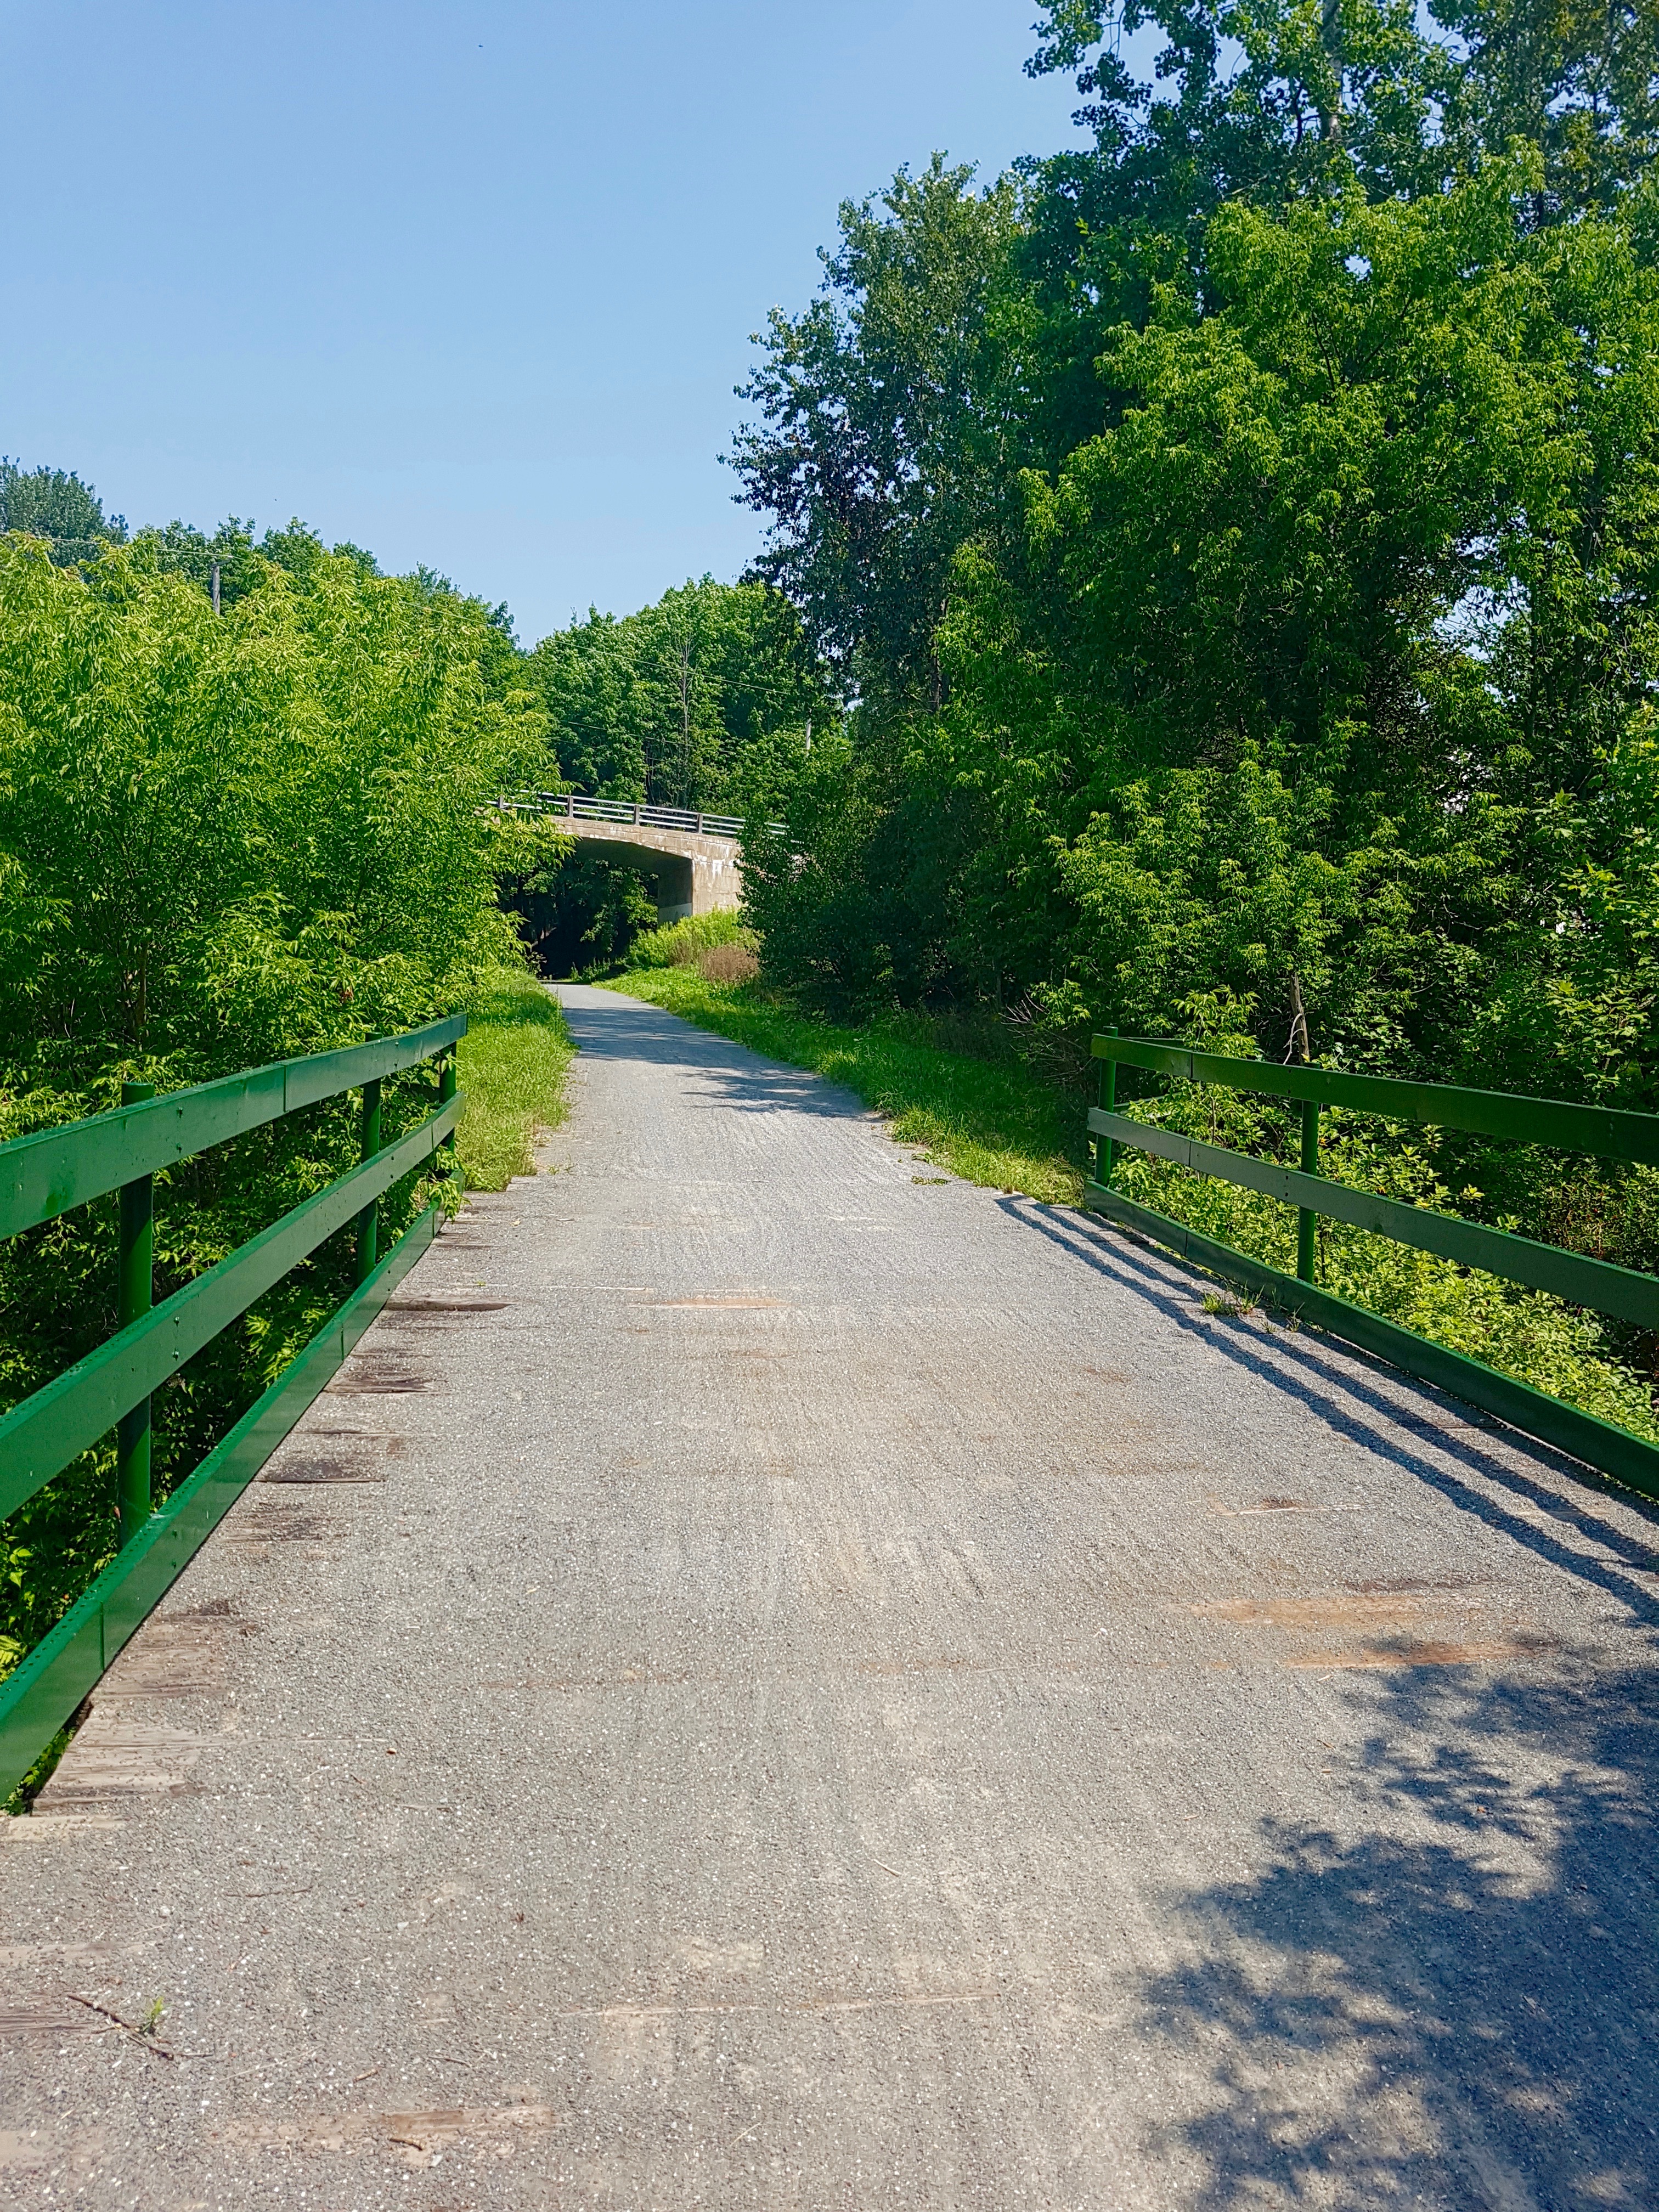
(773, 1680)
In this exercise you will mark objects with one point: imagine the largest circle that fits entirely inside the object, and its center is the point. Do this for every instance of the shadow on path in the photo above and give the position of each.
(1447, 1992)
(1381, 1415)
(1458, 2008)
(732, 1075)
(1452, 1998)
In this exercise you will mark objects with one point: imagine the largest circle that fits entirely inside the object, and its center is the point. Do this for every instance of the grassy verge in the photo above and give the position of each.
(513, 1063)
(990, 1124)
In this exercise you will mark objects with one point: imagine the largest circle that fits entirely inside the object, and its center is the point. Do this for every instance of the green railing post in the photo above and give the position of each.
(448, 1077)
(1306, 1219)
(368, 1221)
(1103, 1149)
(136, 1289)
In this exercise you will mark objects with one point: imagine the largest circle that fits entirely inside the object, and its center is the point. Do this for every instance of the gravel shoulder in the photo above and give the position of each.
(775, 1680)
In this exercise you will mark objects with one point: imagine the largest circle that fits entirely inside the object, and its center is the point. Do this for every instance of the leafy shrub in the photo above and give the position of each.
(224, 839)
(678, 944)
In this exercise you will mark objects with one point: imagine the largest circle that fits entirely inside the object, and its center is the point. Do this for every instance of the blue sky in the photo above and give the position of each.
(469, 284)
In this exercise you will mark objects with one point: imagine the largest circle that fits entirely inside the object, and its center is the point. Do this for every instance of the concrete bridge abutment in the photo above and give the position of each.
(695, 867)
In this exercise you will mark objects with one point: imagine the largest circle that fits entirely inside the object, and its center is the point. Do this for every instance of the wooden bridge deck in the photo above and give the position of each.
(773, 1680)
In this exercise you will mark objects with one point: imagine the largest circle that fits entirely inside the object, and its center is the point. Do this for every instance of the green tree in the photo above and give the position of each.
(701, 701)
(1577, 79)
(222, 842)
(54, 504)
(883, 440)
(1319, 507)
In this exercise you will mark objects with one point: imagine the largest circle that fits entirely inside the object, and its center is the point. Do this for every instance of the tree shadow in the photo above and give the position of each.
(1449, 1995)
(734, 1078)
(1457, 2006)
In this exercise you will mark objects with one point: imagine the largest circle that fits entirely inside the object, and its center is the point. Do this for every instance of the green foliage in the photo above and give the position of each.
(706, 699)
(223, 841)
(1311, 460)
(579, 913)
(513, 1063)
(1285, 608)
(846, 901)
(226, 840)
(53, 504)
(679, 944)
(884, 438)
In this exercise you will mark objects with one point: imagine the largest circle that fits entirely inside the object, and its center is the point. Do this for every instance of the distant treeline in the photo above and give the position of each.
(710, 699)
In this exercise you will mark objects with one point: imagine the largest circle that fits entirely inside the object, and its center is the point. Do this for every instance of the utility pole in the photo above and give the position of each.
(215, 587)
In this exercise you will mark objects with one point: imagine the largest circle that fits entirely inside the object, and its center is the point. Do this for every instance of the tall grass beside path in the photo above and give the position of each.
(512, 1068)
(994, 1124)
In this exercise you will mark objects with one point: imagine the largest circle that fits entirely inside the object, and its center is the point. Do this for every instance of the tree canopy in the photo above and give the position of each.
(54, 505)
(1239, 539)
(708, 699)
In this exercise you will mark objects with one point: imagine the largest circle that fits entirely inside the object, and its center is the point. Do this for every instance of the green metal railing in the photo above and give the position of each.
(44, 1176)
(1602, 1131)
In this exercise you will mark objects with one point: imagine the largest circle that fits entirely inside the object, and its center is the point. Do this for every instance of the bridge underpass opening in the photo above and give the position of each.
(583, 915)
(669, 878)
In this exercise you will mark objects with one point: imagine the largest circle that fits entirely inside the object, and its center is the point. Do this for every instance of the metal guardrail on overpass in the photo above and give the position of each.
(573, 807)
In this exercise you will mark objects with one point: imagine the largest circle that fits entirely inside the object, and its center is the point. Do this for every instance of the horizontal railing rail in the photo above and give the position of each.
(1622, 1293)
(1614, 1132)
(45, 1175)
(40, 1436)
(1583, 1282)
(571, 807)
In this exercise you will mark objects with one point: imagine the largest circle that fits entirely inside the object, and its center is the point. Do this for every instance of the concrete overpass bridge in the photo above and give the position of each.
(693, 858)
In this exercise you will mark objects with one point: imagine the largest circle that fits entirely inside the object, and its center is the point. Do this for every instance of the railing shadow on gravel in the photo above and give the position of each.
(1300, 1366)
(1440, 1994)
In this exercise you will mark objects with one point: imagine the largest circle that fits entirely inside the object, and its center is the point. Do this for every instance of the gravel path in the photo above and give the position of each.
(775, 1679)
